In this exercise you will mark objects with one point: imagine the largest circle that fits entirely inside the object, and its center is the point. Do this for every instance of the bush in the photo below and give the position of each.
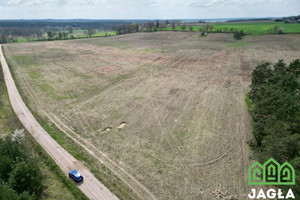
(238, 35)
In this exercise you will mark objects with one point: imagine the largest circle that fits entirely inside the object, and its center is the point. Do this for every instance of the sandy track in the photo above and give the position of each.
(91, 187)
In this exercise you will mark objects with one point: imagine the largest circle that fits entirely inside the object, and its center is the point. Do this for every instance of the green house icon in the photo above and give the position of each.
(271, 173)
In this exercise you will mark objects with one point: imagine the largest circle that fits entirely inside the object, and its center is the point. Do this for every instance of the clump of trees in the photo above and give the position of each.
(275, 30)
(52, 35)
(129, 28)
(10, 34)
(7, 39)
(238, 34)
(20, 176)
(275, 110)
(90, 31)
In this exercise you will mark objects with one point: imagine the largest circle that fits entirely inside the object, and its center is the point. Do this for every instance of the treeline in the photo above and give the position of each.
(274, 104)
(11, 30)
(20, 176)
(153, 26)
(8, 35)
(80, 24)
(147, 26)
(290, 19)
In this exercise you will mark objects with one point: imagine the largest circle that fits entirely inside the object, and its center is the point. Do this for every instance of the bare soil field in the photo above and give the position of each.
(171, 125)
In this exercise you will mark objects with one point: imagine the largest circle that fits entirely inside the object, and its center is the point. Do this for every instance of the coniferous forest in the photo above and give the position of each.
(273, 102)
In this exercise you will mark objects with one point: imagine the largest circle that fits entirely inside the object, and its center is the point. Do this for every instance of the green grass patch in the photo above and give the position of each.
(24, 60)
(123, 77)
(120, 45)
(249, 103)
(238, 43)
(34, 74)
(8, 120)
(251, 28)
(254, 28)
(102, 34)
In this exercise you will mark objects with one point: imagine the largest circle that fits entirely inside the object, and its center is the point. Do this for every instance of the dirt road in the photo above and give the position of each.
(91, 187)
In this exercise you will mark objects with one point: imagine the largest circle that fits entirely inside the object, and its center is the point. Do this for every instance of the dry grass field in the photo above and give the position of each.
(172, 125)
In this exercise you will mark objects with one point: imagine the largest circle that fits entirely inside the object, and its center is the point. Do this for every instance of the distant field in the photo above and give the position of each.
(176, 121)
(252, 28)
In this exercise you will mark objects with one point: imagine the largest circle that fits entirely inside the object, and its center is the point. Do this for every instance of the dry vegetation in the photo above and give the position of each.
(172, 125)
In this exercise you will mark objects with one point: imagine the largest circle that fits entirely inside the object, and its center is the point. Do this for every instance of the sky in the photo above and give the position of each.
(146, 9)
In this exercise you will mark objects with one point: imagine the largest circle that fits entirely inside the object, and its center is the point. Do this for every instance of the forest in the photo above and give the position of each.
(274, 106)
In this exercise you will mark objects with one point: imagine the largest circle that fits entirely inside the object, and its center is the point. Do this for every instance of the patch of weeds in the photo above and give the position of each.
(249, 103)
(34, 74)
(23, 60)
(122, 77)
(137, 98)
(238, 44)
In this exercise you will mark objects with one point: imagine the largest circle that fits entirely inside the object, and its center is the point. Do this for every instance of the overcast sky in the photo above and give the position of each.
(146, 9)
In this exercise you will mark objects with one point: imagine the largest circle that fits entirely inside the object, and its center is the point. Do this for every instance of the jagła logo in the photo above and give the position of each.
(271, 173)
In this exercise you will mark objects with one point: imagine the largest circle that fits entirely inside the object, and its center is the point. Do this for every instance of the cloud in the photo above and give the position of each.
(116, 9)
(14, 2)
(50, 2)
(37, 2)
(150, 3)
(219, 3)
(80, 2)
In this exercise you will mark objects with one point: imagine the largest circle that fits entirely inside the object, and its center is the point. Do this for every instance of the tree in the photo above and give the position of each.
(191, 28)
(26, 176)
(206, 27)
(90, 32)
(134, 28)
(157, 24)
(211, 27)
(173, 25)
(18, 170)
(238, 35)
(260, 75)
(7, 193)
(69, 28)
(3, 39)
(225, 29)
(275, 28)
(150, 25)
(50, 35)
(60, 35)
(162, 26)
(280, 31)
(167, 22)
(65, 35)
(183, 27)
